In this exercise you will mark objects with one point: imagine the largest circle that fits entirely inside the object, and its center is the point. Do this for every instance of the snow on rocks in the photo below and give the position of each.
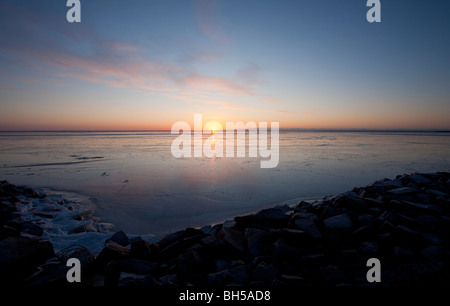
(404, 222)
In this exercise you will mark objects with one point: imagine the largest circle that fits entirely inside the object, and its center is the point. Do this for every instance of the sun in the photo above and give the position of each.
(213, 130)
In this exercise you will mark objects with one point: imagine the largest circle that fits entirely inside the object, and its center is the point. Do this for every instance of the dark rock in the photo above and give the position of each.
(128, 281)
(222, 265)
(437, 192)
(239, 274)
(43, 215)
(419, 179)
(417, 206)
(82, 253)
(169, 280)
(192, 232)
(218, 278)
(390, 217)
(371, 202)
(408, 221)
(328, 212)
(31, 228)
(272, 217)
(402, 190)
(369, 248)
(137, 266)
(8, 231)
(284, 251)
(111, 252)
(338, 229)
(232, 236)
(314, 259)
(305, 215)
(349, 256)
(340, 223)
(256, 240)
(135, 239)
(303, 206)
(309, 226)
(432, 239)
(193, 240)
(365, 220)
(401, 253)
(112, 274)
(409, 238)
(265, 272)
(295, 237)
(171, 238)
(120, 238)
(433, 252)
(171, 250)
(30, 193)
(354, 204)
(193, 261)
(141, 250)
(208, 230)
(293, 280)
(148, 281)
(387, 227)
(330, 275)
(257, 284)
(20, 255)
(52, 275)
(212, 242)
(362, 234)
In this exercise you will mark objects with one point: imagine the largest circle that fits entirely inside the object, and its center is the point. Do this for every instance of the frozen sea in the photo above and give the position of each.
(132, 180)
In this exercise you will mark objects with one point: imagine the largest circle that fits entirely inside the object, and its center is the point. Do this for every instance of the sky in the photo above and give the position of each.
(146, 64)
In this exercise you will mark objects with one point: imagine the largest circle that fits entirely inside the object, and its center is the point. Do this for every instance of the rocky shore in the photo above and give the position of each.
(403, 222)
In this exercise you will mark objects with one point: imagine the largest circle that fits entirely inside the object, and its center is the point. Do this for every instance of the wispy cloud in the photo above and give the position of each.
(284, 112)
(122, 64)
(250, 74)
(206, 21)
(214, 84)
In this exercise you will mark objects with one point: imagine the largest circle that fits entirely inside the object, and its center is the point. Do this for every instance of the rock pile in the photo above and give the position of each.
(404, 222)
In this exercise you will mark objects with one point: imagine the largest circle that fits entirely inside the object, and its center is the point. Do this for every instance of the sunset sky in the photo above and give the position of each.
(144, 65)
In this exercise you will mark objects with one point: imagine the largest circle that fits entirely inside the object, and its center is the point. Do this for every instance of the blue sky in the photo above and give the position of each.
(147, 64)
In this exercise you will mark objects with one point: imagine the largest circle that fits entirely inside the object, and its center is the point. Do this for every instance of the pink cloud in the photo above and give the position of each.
(284, 112)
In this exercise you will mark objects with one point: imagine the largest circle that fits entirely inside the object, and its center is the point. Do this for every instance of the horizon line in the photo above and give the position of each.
(268, 128)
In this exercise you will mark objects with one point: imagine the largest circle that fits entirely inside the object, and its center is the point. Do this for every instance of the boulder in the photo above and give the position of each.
(239, 274)
(82, 253)
(283, 251)
(271, 217)
(408, 238)
(141, 250)
(111, 252)
(256, 239)
(218, 278)
(171, 238)
(308, 225)
(265, 272)
(137, 266)
(369, 248)
(340, 223)
(403, 190)
(232, 236)
(212, 242)
(120, 238)
(32, 229)
(338, 229)
(21, 255)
